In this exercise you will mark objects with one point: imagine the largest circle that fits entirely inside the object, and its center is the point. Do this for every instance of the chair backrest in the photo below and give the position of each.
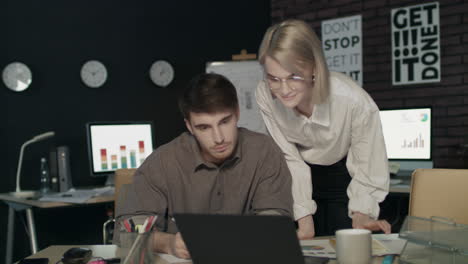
(122, 180)
(122, 177)
(440, 192)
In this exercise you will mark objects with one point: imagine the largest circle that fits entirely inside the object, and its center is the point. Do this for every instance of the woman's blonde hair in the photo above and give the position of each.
(294, 45)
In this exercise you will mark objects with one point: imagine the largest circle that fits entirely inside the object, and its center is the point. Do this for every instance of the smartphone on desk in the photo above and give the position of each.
(34, 261)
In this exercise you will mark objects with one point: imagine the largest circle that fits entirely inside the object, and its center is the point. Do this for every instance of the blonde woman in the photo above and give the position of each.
(329, 131)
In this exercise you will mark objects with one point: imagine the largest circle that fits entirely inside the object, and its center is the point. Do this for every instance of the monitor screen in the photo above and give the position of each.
(117, 145)
(407, 133)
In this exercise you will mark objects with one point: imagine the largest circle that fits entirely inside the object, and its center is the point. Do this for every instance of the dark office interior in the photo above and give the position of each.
(54, 38)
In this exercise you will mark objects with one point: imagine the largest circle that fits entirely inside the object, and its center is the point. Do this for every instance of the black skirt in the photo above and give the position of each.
(329, 192)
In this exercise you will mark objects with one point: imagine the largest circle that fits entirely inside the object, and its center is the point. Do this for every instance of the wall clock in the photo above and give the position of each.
(161, 73)
(17, 76)
(93, 73)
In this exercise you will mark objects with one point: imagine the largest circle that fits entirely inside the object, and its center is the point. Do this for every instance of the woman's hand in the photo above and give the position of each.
(306, 228)
(363, 221)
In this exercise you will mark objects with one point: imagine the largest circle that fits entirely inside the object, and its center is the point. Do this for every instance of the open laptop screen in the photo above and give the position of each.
(240, 239)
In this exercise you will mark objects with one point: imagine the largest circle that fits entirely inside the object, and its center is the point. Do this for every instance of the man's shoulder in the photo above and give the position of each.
(259, 142)
(260, 151)
(181, 143)
(253, 136)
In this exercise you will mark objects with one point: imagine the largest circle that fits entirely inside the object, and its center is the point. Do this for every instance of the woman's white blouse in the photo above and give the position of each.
(347, 124)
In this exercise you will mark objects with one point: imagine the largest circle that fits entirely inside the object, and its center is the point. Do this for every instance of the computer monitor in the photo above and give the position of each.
(407, 134)
(117, 145)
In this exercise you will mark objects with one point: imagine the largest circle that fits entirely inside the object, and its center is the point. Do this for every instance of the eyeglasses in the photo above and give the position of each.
(294, 82)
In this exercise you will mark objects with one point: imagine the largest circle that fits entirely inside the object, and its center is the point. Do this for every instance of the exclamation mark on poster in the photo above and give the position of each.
(396, 37)
(414, 41)
(405, 38)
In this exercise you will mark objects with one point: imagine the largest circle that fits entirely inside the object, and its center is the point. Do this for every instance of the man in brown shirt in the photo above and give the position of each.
(217, 168)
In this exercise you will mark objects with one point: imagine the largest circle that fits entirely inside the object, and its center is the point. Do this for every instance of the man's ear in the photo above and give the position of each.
(188, 125)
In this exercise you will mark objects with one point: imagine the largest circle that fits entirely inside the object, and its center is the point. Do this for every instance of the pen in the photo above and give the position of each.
(138, 228)
(132, 225)
(127, 226)
(388, 259)
(150, 223)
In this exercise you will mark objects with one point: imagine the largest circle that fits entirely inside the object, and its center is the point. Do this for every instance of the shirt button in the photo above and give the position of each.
(219, 193)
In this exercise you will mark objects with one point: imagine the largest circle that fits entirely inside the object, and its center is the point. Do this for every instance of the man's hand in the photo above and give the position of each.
(306, 228)
(178, 248)
(363, 221)
(170, 244)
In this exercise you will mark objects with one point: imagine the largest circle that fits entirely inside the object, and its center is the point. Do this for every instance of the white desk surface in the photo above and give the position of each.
(403, 187)
(54, 253)
(7, 197)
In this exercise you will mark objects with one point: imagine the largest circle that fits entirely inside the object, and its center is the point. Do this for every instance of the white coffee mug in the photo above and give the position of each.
(353, 246)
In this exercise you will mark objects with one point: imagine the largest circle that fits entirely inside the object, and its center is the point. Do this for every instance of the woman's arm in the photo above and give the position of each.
(368, 166)
(303, 206)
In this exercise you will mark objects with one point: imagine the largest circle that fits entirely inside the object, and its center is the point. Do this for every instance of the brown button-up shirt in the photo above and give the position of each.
(176, 179)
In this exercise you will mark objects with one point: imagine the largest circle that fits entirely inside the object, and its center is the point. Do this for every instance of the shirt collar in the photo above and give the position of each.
(197, 157)
(198, 160)
(321, 113)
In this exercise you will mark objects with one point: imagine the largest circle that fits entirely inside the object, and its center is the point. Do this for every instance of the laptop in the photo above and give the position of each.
(246, 239)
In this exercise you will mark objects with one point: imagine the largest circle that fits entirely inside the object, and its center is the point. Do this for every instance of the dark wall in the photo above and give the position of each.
(54, 38)
(449, 98)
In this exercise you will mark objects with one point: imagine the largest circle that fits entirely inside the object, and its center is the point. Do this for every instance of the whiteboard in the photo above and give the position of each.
(245, 75)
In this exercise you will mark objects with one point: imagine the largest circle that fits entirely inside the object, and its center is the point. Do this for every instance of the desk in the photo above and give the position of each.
(19, 204)
(403, 187)
(398, 197)
(54, 253)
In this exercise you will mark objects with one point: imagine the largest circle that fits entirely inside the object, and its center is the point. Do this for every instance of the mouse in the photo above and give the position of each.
(77, 255)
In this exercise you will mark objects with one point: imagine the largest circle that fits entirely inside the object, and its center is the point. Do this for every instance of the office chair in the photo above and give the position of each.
(122, 180)
(441, 193)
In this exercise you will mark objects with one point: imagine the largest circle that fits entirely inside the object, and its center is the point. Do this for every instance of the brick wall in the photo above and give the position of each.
(449, 98)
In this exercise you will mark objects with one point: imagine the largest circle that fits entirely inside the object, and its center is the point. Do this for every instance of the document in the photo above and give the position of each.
(391, 242)
(318, 248)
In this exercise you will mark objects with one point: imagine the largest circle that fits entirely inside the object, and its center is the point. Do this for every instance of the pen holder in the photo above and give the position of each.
(136, 248)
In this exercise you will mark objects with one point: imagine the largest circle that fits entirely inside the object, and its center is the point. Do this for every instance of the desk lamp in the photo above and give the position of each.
(18, 192)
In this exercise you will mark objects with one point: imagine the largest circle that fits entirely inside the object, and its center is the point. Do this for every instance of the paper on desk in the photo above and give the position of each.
(326, 248)
(171, 259)
(318, 248)
(77, 195)
(392, 242)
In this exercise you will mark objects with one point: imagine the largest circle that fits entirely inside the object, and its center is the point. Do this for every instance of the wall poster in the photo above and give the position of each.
(342, 45)
(416, 44)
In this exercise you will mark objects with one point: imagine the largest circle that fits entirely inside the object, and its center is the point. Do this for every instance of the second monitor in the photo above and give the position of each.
(118, 145)
(408, 137)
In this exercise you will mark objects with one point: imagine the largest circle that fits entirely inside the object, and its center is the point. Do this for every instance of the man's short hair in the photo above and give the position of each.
(208, 93)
